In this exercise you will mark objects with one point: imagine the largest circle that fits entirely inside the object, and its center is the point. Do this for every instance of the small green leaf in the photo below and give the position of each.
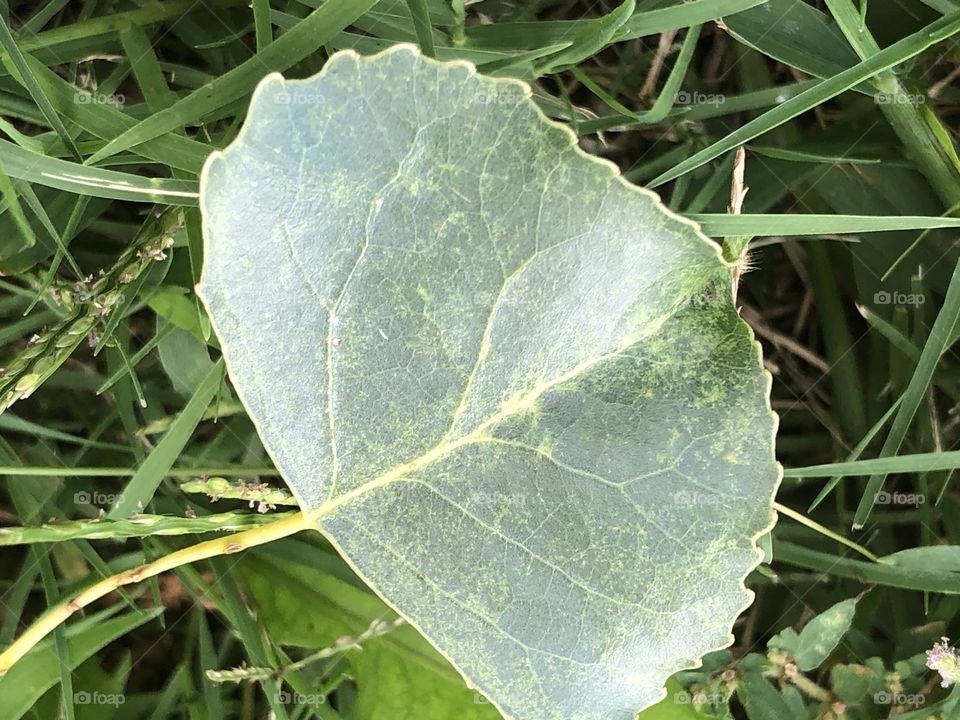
(822, 634)
(785, 640)
(172, 304)
(852, 683)
(677, 705)
(510, 387)
(761, 699)
(397, 674)
(185, 360)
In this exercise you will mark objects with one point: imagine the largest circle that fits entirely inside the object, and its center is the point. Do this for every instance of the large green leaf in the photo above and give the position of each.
(511, 388)
(39, 670)
(398, 676)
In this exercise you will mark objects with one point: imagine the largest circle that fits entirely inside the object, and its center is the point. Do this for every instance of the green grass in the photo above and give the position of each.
(113, 392)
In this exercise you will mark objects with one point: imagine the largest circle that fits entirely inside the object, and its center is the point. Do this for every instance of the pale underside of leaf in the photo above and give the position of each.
(512, 389)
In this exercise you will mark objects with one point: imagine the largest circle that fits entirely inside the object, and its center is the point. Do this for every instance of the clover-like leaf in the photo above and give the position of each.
(511, 388)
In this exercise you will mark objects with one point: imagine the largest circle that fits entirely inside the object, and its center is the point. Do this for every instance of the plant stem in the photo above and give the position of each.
(807, 685)
(51, 471)
(217, 488)
(229, 545)
(827, 532)
(139, 526)
(249, 674)
(921, 132)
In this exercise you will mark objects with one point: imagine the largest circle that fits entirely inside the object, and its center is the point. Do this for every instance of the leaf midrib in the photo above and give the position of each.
(509, 408)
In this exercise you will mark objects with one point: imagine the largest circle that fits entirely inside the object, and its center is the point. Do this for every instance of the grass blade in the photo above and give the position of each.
(725, 225)
(296, 44)
(921, 132)
(138, 492)
(85, 180)
(19, 68)
(897, 53)
(935, 346)
(918, 463)
(868, 572)
(421, 23)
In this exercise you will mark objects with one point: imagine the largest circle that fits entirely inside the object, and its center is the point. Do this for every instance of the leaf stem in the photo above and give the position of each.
(229, 545)
(805, 684)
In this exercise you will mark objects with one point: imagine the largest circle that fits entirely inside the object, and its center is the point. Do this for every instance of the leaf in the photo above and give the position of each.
(185, 360)
(677, 705)
(822, 634)
(172, 304)
(539, 33)
(511, 388)
(39, 670)
(795, 703)
(92, 682)
(796, 34)
(761, 699)
(140, 488)
(398, 675)
(85, 180)
(899, 52)
(25, 237)
(785, 640)
(852, 683)
(881, 573)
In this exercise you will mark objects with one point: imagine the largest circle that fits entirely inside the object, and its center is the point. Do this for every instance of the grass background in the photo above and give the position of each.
(114, 396)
